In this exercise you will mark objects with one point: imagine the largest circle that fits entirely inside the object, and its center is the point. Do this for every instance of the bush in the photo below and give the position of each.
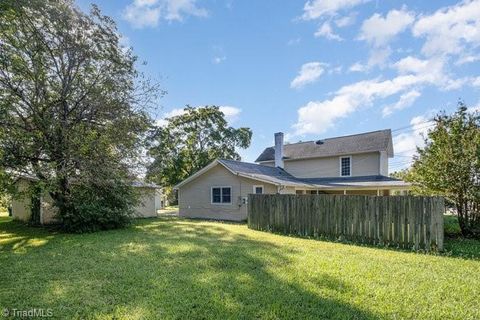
(451, 226)
(100, 207)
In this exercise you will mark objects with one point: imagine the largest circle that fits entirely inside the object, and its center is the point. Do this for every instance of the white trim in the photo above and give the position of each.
(340, 165)
(221, 195)
(255, 186)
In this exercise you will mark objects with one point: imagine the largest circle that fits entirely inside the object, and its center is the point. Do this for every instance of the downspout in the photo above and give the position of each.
(240, 200)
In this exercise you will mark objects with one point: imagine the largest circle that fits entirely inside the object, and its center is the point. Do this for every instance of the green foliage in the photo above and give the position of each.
(402, 174)
(449, 166)
(190, 141)
(451, 226)
(100, 207)
(73, 108)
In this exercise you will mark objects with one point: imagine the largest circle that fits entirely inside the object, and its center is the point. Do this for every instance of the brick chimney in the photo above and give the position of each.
(279, 149)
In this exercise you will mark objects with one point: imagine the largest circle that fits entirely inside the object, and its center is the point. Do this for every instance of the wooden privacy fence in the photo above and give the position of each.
(403, 221)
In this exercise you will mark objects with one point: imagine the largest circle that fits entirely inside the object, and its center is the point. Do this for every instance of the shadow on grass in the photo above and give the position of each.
(17, 237)
(454, 246)
(165, 268)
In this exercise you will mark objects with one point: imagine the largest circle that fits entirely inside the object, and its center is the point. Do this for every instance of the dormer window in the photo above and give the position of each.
(345, 166)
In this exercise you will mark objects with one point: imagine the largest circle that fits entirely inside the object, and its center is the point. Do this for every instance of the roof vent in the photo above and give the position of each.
(319, 142)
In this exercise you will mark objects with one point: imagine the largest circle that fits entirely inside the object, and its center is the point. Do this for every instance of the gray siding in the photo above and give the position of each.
(364, 164)
(21, 209)
(194, 198)
(147, 206)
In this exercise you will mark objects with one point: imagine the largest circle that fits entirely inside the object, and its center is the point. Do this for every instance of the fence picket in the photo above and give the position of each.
(404, 221)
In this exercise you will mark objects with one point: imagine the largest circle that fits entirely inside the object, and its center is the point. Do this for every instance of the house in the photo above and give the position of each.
(151, 200)
(350, 165)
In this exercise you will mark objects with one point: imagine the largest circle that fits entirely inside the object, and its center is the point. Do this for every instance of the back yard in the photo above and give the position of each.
(171, 268)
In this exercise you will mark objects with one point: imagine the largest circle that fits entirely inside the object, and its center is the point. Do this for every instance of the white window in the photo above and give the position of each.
(346, 166)
(258, 189)
(221, 195)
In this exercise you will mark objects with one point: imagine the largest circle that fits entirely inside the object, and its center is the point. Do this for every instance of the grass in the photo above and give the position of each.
(171, 268)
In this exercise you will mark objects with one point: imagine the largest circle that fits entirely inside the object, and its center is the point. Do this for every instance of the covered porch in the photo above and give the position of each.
(366, 185)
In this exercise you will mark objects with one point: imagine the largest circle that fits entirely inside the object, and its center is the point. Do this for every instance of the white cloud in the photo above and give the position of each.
(476, 82)
(467, 58)
(405, 144)
(379, 31)
(411, 64)
(450, 30)
(357, 67)
(405, 101)
(378, 57)
(148, 13)
(309, 73)
(451, 37)
(345, 21)
(231, 114)
(219, 59)
(326, 31)
(318, 116)
(294, 41)
(315, 9)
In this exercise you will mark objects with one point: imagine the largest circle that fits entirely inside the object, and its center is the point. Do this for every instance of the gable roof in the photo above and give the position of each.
(267, 174)
(358, 143)
(260, 172)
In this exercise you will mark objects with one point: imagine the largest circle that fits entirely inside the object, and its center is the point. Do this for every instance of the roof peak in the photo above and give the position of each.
(338, 137)
(250, 163)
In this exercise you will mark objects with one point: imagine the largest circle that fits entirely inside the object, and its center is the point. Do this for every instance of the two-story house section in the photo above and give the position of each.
(350, 165)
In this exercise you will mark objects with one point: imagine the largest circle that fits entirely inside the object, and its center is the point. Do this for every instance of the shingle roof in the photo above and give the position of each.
(143, 184)
(365, 142)
(266, 173)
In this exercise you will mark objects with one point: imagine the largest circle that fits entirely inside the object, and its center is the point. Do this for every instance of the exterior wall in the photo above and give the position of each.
(21, 204)
(383, 163)
(47, 210)
(21, 209)
(365, 164)
(147, 206)
(158, 199)
(194, 198)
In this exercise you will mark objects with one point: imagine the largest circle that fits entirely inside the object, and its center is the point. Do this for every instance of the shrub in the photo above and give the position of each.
(451, 226)
(99, 207)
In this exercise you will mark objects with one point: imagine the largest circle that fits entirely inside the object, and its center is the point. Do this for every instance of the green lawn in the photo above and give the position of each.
(169, 268)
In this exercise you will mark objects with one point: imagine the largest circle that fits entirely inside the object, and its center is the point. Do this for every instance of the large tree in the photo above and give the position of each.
(72, 108)
(449, 165)
(188, 142)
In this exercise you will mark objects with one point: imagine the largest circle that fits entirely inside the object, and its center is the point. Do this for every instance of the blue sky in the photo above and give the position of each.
(312, 69)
